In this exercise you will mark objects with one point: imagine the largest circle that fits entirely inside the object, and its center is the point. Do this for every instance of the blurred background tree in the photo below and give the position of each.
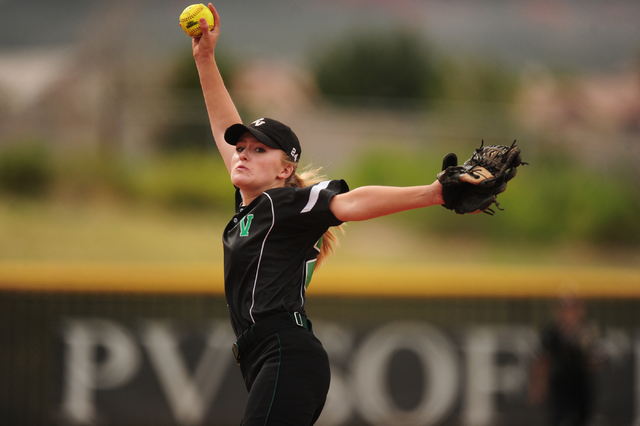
(365, 67)
(26, 169)
(362, 67)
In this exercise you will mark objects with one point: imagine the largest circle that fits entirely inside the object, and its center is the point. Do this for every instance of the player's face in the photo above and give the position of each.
(257, 167)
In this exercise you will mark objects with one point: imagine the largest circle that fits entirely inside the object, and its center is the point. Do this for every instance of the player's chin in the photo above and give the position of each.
(240, 179)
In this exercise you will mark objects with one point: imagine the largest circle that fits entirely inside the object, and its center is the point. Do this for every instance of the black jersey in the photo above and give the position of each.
(270, 250)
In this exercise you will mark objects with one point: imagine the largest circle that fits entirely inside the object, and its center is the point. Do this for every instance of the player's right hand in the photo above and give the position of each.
(206, 43)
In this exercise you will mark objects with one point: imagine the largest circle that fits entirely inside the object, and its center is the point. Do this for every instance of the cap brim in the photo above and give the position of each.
(234, 132)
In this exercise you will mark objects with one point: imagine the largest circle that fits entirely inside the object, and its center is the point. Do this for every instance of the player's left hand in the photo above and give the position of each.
(473, 186)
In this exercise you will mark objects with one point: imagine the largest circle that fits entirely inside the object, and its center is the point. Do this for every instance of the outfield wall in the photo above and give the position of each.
(150, 344)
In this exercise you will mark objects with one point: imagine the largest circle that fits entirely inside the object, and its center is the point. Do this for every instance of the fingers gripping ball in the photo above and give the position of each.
(474, 186)
(190, 19)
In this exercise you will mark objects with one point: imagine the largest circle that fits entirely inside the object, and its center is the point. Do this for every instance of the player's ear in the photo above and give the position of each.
(286, 171)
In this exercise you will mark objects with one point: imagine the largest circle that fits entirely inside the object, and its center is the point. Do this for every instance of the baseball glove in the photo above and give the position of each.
(473, 186)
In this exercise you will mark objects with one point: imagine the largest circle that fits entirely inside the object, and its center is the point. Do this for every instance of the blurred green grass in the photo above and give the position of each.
(173, 208)
(550, 201)
(105, 209)
(105, 231)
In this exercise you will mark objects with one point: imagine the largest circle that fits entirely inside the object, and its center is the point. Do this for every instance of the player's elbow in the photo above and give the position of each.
(343, 208)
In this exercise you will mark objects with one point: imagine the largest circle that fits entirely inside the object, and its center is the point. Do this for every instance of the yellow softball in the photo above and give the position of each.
(190, 17)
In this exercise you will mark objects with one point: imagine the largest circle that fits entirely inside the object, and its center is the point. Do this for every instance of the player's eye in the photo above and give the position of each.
(239, 148)
(260, 149)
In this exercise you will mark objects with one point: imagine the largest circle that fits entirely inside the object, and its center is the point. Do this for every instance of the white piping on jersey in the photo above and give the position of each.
(315, 193)
(255, 282)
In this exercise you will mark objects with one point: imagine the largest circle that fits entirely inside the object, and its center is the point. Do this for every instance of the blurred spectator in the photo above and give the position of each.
(562, 373)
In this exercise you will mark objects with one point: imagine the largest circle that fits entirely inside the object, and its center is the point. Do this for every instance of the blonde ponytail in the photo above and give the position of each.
(307, 177)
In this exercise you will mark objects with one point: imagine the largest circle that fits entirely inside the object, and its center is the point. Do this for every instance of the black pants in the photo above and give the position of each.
(287, 375)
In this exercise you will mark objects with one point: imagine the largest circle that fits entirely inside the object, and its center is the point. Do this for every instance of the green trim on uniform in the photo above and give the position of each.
(245, 224)
(311, 265)
(275, 387)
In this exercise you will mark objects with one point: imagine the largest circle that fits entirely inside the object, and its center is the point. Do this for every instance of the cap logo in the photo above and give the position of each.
(258, 122)
(294, 155)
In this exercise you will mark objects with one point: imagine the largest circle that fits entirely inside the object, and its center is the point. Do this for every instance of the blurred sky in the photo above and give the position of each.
(584, 35)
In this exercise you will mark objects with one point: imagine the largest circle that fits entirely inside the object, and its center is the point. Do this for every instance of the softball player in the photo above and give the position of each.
(279, 233)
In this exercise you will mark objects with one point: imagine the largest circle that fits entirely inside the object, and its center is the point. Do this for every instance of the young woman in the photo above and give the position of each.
(279, 233)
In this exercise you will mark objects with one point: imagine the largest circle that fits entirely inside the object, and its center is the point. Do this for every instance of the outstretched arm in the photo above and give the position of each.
(220, 107)
(368, 202)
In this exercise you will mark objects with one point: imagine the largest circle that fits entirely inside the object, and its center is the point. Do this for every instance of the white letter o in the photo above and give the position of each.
(440, 362)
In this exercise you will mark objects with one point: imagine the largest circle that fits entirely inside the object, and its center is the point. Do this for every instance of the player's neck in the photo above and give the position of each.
(249, 195)
(246, 201)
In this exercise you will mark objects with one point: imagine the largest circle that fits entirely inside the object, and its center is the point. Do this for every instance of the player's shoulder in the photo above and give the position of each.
(328, 186)
(304, 199)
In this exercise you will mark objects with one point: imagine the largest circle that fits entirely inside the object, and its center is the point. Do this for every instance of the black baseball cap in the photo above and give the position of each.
(271, 133)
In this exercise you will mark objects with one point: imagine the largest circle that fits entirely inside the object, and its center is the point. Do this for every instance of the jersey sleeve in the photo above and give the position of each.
(309, 207)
